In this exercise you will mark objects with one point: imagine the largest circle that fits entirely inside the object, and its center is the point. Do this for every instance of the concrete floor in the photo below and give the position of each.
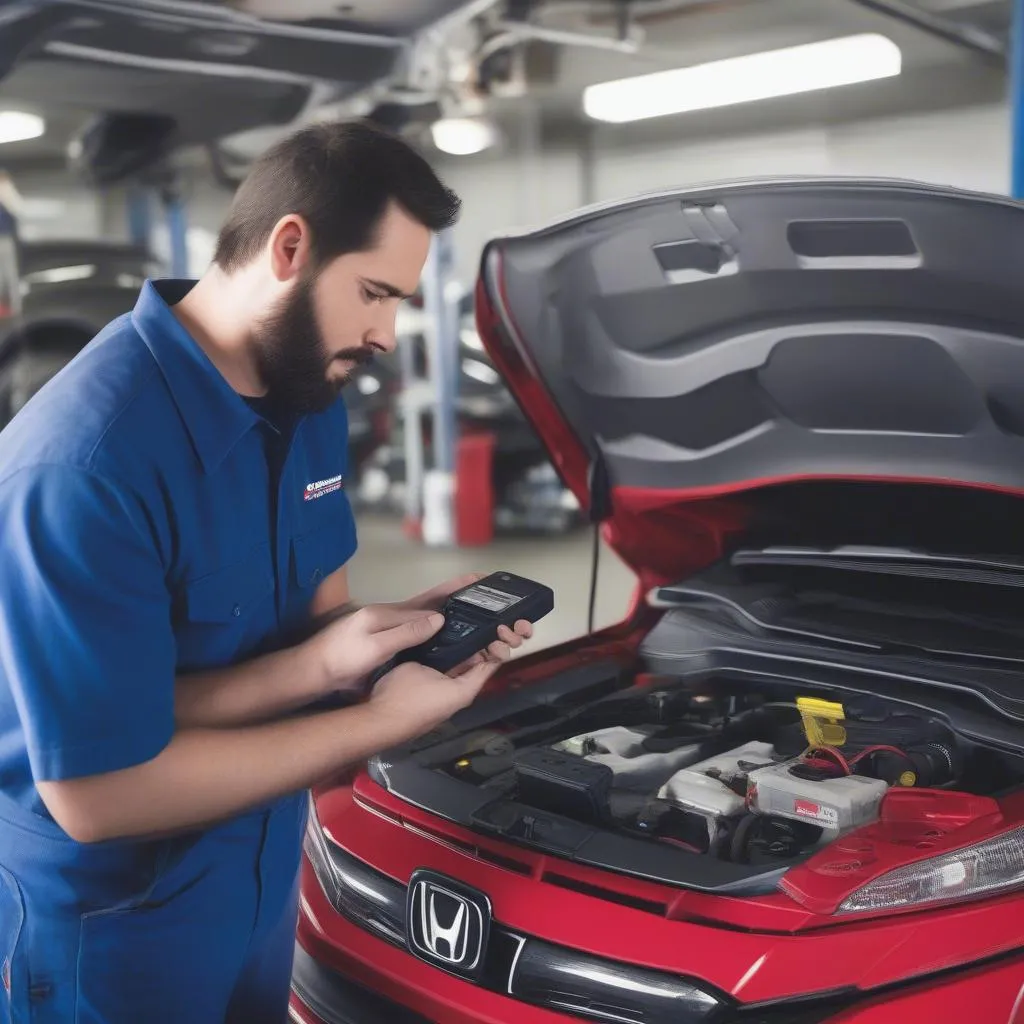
(389, 567)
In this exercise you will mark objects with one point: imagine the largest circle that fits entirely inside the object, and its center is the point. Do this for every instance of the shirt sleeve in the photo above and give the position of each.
(86, 642)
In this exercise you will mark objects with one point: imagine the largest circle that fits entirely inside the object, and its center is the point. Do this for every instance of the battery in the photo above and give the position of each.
(838, 804)
(715, 787)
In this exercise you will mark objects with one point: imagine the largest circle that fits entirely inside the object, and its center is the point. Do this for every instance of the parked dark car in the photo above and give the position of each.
(71, 289)
(790, 786)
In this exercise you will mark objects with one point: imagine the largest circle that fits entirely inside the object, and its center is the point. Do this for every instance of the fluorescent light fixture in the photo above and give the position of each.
(17, 126)
(462, 136)
(61, 275)
(759, 76)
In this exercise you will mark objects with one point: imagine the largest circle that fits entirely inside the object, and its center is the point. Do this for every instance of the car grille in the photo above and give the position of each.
(538, 972)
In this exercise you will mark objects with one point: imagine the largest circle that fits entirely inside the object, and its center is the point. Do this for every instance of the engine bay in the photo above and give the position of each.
(801, 689)
(727, 775)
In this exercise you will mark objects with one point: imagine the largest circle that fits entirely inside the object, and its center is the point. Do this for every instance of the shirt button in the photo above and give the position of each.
(236, 611)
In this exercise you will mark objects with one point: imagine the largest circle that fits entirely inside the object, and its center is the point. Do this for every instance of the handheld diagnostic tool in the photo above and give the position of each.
(472, 617)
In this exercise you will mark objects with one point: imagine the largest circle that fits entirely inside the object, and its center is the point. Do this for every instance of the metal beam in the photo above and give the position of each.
(969, 37)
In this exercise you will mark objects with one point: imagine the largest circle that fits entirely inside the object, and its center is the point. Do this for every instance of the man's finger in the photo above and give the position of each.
(514, 640)
(389, 642)
(500, 650)
(475, 678)
(380, 617)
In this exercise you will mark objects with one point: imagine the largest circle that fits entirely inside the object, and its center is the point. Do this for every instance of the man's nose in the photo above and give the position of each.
(383, 337)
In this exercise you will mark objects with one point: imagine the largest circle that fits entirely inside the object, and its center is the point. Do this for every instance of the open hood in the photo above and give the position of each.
(680, 352)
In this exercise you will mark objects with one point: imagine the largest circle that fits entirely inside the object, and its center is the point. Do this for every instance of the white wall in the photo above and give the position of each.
(56, 207)
(966, 147)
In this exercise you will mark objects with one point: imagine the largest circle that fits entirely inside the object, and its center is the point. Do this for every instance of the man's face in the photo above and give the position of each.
(340, 316)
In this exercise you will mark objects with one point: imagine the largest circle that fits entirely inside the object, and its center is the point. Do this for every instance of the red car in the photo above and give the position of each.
(790, 787)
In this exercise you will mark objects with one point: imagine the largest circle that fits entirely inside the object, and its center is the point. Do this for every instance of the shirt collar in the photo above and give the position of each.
(215, 415)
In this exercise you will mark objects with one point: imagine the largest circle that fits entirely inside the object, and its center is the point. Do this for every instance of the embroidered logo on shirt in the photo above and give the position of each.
(318, 488)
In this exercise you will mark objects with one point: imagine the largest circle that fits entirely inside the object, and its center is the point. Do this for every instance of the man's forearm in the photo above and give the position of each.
(207, 775)
(252, 692)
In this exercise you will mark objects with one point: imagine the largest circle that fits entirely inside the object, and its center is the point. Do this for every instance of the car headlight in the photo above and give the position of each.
(987, 868)
(358, 893)
(377, 768)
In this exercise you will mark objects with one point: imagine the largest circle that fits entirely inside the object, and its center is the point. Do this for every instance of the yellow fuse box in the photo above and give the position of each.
(822, 721)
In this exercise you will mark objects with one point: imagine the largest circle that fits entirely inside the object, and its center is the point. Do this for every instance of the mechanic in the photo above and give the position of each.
(174, 519)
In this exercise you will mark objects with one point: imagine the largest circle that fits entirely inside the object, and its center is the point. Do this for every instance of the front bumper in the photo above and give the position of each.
(322, 996)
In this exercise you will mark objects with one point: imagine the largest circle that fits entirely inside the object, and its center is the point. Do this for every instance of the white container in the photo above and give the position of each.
(702, 787)
(837, 805)
(438, 508)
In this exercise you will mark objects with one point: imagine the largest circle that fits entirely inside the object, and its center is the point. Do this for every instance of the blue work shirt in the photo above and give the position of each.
(153, 523)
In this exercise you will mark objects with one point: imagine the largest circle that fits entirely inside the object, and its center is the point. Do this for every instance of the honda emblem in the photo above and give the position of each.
(448, 923)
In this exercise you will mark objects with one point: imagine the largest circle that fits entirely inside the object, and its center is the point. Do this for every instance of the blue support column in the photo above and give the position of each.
(177, 230)
(1017, 100)
(140, 220)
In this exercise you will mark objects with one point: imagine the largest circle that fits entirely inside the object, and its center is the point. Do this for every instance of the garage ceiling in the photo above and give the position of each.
(267, 62)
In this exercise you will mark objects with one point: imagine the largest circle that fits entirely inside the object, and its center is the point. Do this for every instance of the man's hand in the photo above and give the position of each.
(508, 639)
(413, 699)
(351, 648)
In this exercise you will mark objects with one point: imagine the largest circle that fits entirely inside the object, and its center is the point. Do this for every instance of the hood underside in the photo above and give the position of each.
(700, 342)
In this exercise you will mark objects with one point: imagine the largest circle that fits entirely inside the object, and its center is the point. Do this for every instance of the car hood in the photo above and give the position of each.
(681, 347)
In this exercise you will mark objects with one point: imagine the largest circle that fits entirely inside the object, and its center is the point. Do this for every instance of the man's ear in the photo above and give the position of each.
(290, 247)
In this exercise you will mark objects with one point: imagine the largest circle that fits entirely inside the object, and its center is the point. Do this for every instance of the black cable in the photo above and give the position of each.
(594, 556)
(598, 512)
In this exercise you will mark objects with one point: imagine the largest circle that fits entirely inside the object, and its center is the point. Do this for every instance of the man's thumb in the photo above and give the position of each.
(411, 633)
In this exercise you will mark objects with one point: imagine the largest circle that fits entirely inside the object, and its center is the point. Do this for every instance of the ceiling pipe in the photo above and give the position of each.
(563, 37)
(970, 37)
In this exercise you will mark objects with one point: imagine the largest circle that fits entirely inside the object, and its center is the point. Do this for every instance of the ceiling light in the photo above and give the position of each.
(462, 136)
(759, 76)
(17, 126)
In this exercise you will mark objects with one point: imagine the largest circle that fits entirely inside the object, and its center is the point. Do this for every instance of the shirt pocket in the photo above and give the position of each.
(234, 592)
(226, 614)
(318, 553)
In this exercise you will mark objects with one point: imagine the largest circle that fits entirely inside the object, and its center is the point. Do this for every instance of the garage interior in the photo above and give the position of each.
(125, 128)
(519, 70)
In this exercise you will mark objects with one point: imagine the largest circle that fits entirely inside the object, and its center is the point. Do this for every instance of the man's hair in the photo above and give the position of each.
(340, 177)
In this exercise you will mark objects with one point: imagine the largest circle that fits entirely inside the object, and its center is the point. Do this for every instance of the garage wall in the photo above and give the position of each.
(56, 207)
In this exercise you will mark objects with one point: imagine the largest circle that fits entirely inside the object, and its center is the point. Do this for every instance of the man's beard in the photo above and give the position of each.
(292, 359)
